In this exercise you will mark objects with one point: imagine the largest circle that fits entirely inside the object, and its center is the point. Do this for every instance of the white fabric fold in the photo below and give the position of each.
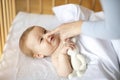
(71, 12)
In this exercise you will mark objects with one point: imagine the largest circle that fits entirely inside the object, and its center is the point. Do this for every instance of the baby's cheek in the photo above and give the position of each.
(49, 48)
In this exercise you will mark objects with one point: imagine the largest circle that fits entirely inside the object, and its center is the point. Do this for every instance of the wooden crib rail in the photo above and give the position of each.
(9, 9)
(7, 13)
(45, 6)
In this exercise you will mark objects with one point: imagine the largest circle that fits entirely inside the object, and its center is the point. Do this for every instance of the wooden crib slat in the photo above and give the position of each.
(1, 45)
(47, 6)
(0, 42)
(66, 1)
(13, 9)
(28, 5)
(59, 2)
(0, 28)
(41, 10)
(10, 10)
(2, 38)
(53, 3)
(7, 16)
(4, 20)
(35, 6)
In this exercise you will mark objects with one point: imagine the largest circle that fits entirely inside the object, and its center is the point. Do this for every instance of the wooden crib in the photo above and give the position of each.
(9, 9)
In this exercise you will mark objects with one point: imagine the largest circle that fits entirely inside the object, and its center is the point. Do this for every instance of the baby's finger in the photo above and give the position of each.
(71, 45)
(65, 50)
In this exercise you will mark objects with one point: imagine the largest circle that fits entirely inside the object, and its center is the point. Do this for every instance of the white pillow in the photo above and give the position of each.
(71, 12)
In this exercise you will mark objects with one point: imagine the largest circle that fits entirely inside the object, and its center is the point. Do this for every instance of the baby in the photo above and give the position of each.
(35, 42)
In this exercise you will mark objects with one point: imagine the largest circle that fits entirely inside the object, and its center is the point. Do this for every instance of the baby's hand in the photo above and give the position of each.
(65, 46)
(69, 45)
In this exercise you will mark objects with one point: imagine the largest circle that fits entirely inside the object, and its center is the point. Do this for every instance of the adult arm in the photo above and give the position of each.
(108, 28)
(104, 29)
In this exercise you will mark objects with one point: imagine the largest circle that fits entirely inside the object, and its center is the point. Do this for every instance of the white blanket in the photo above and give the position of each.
(102, 59)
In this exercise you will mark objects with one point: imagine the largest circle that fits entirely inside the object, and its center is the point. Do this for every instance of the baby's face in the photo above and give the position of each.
(40, 43)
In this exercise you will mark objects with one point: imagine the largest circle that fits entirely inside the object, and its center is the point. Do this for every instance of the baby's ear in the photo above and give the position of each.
(38, 56)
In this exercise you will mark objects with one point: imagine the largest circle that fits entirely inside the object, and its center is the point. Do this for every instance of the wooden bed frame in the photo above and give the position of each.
(9, 9)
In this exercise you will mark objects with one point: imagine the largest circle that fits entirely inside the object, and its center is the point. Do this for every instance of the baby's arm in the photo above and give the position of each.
(61, 60)
(64, 65)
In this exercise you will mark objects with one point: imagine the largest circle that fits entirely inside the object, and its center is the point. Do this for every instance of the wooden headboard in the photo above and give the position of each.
(9, 9)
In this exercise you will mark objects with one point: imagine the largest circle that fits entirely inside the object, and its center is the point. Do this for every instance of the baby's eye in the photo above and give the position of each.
(45, 31)
(41, 40)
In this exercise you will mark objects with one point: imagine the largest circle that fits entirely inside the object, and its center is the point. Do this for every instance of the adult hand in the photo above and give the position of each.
(67, 30)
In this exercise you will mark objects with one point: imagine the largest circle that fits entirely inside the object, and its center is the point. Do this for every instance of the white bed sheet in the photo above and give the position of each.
(101, 57)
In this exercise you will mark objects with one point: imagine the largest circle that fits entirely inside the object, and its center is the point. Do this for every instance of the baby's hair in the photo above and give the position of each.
(22, 42)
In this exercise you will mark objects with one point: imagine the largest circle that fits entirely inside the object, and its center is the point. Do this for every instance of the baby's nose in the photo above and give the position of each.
(48, 37)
